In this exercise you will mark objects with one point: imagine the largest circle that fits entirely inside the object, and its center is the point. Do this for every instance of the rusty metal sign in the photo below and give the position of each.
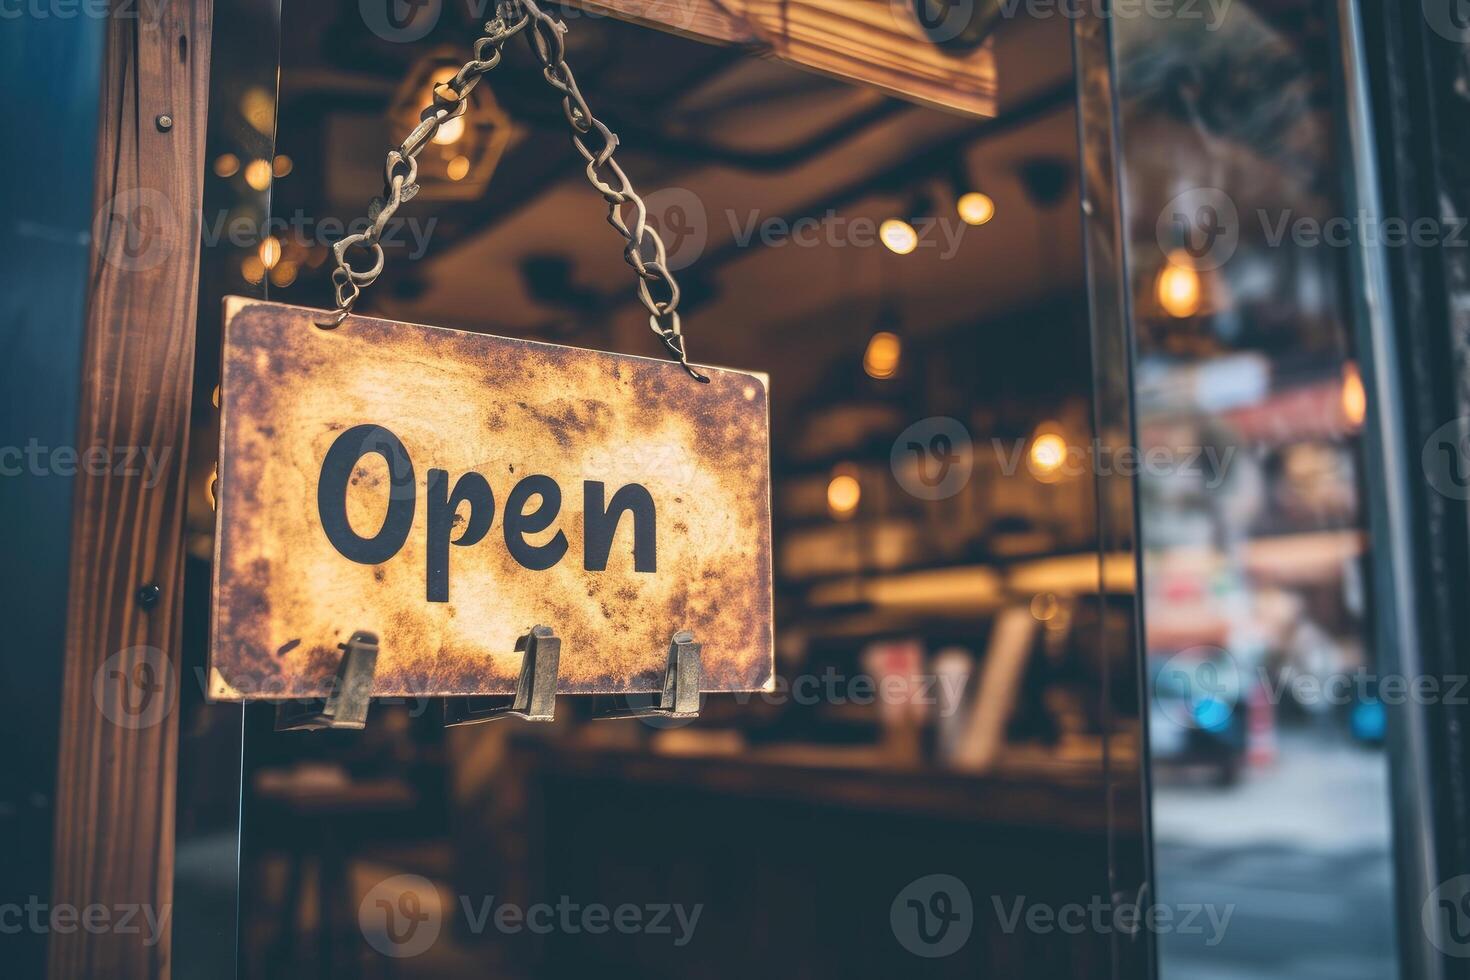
(448, 491)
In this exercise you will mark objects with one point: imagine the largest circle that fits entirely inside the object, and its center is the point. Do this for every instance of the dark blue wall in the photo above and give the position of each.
(49, 76)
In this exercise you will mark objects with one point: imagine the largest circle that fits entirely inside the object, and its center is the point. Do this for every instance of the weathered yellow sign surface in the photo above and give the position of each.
(448, 491)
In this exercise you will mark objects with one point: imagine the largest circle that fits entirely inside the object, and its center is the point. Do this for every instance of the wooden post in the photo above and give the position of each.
(114, 834)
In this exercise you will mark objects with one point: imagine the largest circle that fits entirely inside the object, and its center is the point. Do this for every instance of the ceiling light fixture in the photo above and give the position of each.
(258, 174)
(898, 236)
(449, 131)
(881, 359)
(975, 208)
(270, 251)
(226, 165)
(284, 273)
(1048, 453)
(251, 269)
(1178, 286)
(1354, 396)
(843, 493)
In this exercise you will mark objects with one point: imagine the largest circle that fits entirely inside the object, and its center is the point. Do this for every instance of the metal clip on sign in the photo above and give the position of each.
(535, 697)
(683, 678)
(347, 705)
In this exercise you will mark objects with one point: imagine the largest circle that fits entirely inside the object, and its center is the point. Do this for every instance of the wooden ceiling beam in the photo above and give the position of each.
(873, 42)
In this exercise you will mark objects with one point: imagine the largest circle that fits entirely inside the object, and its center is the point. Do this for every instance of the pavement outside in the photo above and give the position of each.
(1301, 849)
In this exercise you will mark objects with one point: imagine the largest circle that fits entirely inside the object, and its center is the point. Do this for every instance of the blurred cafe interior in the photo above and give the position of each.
(982, 433)
(943, 650)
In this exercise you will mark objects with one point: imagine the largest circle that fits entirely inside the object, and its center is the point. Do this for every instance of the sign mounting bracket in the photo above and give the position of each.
(680, 695)
(535, 697)
(347, 705)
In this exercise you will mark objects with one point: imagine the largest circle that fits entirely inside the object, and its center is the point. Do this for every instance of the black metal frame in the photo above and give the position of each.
(1110, 313)
(1415, 355)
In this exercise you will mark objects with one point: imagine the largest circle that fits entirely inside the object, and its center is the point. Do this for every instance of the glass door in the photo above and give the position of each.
(1119, 444)
(1238, 245)
(884, 214)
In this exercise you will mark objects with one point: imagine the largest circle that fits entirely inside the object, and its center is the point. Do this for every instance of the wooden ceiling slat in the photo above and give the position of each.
(860, 40)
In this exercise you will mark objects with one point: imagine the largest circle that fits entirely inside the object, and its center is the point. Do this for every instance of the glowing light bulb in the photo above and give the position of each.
(270, 251)
(1048, 453)
(899, 236)
(881, 358)
(975, 208)
(258, 106)
(284, 274)
(226, 165)
(258, 174)
(1178, 287)
(449, 131)
(1354, 397)
(843, 494)
(282, 165)
(458, 168)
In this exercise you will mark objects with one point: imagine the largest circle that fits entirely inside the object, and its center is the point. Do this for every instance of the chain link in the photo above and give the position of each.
(643, 250)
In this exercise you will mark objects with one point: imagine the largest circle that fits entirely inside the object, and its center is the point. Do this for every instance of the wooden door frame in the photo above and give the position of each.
(114, 830)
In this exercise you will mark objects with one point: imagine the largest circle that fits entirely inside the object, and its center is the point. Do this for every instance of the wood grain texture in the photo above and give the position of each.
(115, 798)
(875, 42)
(503, 415)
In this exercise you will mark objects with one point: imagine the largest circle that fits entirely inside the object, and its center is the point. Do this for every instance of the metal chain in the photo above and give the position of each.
(658, 291)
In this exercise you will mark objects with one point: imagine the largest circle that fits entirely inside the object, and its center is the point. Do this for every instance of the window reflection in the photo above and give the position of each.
(1266, 722)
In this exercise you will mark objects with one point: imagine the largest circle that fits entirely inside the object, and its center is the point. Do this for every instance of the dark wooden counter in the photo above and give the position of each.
(796, 855)
(1031, 792)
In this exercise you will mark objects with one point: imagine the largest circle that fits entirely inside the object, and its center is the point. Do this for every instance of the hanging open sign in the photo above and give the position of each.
(447, 491)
